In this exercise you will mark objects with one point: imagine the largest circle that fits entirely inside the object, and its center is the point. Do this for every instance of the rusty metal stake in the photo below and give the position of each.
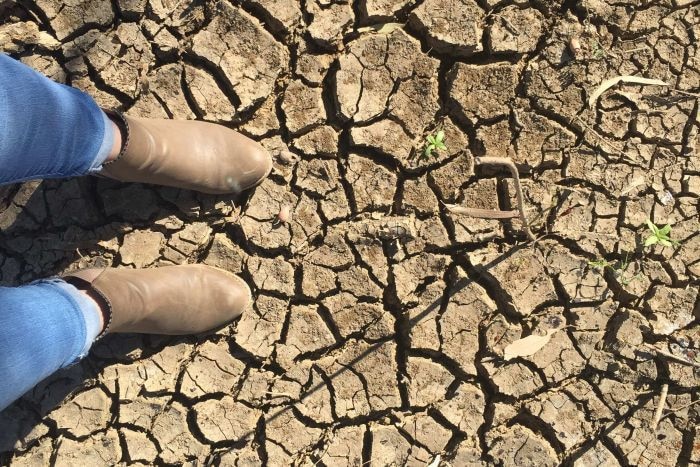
(495, 213)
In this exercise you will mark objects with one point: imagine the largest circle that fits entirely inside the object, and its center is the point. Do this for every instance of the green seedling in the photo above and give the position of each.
(598, 50)
(433, 143)
(660, 236)
(619, 269)
(601, 264)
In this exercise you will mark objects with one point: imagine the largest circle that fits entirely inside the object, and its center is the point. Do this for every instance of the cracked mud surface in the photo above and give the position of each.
(381, 318)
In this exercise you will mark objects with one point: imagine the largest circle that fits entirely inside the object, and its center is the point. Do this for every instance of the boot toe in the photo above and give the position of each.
(258, 165)
(233, 294)
(240, 299)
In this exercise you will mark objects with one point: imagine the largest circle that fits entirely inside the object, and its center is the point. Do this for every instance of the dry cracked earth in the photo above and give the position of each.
(378, 332)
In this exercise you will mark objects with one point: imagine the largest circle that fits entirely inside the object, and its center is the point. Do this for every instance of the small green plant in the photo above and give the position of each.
(660, 236)
(601, 264)
(433, 143)
(598, 50)
(619, 269)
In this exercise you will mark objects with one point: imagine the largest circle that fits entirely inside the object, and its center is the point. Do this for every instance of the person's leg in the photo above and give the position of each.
(48, 130)
(44, 326)
(50, 324)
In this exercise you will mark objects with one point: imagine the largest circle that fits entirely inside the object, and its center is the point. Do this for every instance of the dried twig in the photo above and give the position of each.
(636, 49)
(585, 233)
(685, 93)
(660, 407)
(671, 356)
(279, 394)
(682, 407)
(510, 26)
(600, 138)
(495, 213)
(481, 213)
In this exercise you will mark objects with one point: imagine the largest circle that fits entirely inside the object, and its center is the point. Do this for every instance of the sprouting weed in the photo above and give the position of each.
(619, 269)
(598, 50)
(660, 236)
(433, 143)
(601, 264)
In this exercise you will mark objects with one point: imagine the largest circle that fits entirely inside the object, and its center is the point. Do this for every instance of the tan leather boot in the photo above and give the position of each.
(187, 154)
(176, 300)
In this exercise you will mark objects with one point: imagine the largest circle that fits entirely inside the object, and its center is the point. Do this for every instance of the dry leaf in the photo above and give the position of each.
(637, 182)
(283, 215)
(480, 213)
(608, 83)
(527, 345)
(386, 28)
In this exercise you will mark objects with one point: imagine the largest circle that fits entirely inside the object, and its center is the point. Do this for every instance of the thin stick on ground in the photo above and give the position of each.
(686, 93)
(682, 407)
(610, 145)
(279, 394)
(499, 214)
(585, 233)
(636, 49)
(660, 407)
(671, 356)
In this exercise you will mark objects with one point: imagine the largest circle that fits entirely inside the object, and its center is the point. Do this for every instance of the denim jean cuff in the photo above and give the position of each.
(105, 147)
(89, 314)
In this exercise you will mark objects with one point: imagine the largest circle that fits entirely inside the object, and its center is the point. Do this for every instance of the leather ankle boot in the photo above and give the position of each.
(176, 300)
(187, 154)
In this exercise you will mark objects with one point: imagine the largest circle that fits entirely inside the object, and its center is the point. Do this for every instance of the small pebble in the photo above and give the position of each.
(575, 46)
(287, 157)
(666, 198)
(283, 216)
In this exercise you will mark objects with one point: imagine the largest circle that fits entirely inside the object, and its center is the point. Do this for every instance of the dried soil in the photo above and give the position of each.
(381, 318)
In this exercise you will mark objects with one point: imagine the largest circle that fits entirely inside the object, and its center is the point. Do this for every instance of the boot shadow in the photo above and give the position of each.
(49, 227)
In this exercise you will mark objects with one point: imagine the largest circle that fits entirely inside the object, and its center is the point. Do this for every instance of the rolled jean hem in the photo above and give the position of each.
(44, 326)
(70, 293)
(106, 147)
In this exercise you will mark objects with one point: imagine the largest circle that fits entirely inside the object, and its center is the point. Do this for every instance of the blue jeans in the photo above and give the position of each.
(47, 130)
